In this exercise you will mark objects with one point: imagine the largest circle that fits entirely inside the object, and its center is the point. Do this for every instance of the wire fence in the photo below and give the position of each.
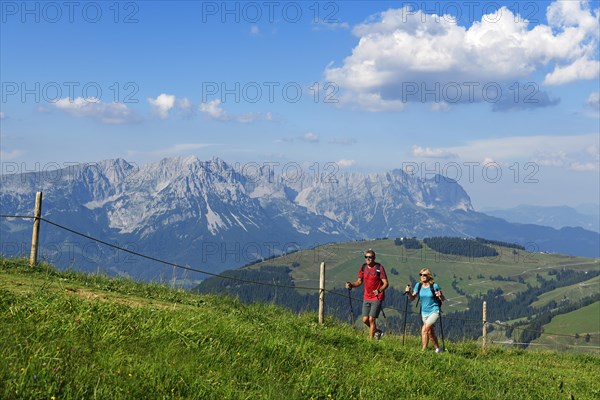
(396, 322)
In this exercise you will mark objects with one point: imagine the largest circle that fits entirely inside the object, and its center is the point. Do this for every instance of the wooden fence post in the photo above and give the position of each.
(37, 213)
(322, 294)
(484, 341)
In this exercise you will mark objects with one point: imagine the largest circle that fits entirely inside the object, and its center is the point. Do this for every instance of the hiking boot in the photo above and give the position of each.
(378, 334)
(439, 350)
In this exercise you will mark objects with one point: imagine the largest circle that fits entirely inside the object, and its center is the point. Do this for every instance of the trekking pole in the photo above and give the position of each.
(441, 322)
(405, 315)
(351, 310)
(442, 331)
(384, 318)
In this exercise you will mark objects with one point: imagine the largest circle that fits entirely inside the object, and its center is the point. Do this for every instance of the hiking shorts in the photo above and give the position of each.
(372, 308)
(430, 319)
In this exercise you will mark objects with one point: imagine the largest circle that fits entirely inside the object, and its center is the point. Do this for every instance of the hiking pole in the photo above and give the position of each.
(442, 331)
(351, 310)
(405, 315)
(437, 292)
(384, 318)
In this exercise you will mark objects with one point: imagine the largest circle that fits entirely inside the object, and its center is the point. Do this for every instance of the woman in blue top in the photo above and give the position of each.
(431, 301)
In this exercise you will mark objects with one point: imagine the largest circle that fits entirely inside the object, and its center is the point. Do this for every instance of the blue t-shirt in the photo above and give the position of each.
(428, 303)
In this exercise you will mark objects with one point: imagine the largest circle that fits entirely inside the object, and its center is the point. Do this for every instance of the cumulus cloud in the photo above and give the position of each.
(405, 55)
(162, 104)
(581, 69)
(213, 109)
(106, 113)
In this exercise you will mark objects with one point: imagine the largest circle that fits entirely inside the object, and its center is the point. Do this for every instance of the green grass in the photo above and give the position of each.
(572, 292)
(69, 335)
(582, 321)
(576, 320)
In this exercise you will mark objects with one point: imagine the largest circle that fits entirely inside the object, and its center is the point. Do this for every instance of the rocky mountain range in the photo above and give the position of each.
(213, 216)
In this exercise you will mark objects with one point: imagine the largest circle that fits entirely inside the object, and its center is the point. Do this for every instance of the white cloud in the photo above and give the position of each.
(185, 104)
(372, 102)
(2, 115)
(593, 101)
(214, 110)
(248, 117)
(522, 147)
(581, 69)
(593, 151)
(106, 113)
(578, 152)
(584, 167)
(310, 137)
(557, 159)
(488, 160)
(401, 47)
(11, 155)
(345, 163)
(162, 104)
(428, 152)
(441, 106)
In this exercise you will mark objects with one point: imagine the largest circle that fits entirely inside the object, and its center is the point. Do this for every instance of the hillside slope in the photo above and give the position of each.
(70, 336)
(518, 286)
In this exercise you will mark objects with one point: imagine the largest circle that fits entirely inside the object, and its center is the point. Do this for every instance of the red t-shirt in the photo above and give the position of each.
(371, 281)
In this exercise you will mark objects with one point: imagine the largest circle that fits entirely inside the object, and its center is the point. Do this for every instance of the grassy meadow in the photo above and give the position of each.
(68, 335)
(473, 274)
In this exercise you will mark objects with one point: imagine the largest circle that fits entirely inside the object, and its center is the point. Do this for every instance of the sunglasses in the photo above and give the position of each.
(423, 275)
(371, 257)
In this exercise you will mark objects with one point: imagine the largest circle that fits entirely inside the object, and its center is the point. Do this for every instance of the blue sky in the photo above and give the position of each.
(504, 100)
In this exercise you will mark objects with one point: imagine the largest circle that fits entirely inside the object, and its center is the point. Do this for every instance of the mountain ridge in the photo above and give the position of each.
(213, 214)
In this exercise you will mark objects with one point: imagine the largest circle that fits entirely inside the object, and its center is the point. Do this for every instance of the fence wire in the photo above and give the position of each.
(403, 313)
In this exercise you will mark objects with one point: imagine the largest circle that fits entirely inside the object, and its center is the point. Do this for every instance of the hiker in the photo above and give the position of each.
(376, 282)
(431, 298)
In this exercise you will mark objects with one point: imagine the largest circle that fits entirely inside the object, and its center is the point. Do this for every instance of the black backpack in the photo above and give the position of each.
(435, 298)
(377, 265)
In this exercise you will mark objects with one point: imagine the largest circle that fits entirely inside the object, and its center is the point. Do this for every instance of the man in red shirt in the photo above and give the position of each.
(376, 282)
